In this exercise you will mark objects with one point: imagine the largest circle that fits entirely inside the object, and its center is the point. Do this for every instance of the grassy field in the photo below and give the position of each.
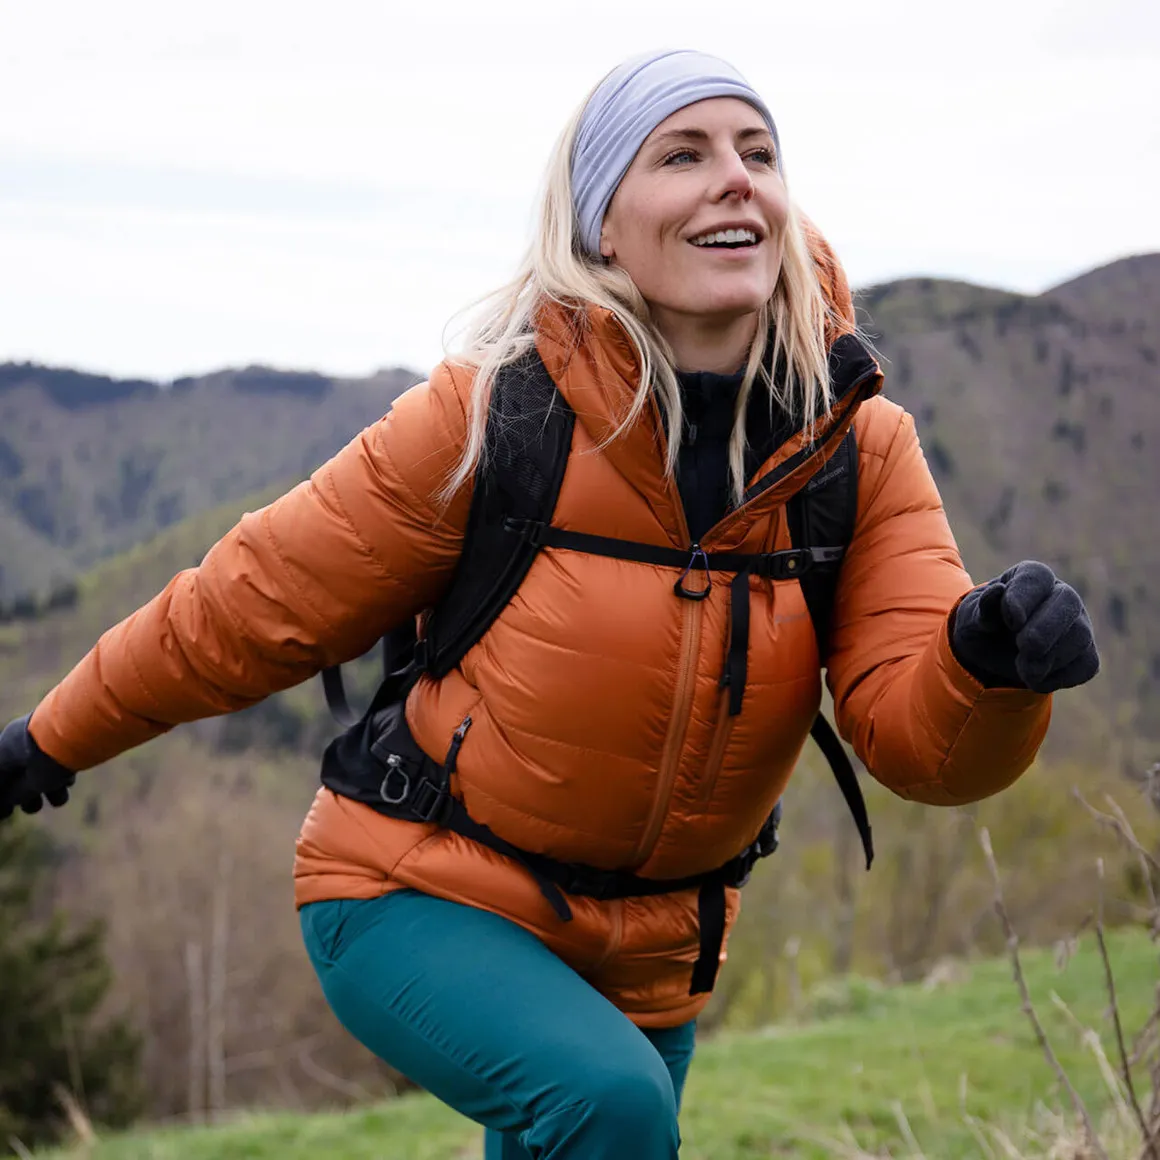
(933, 1070)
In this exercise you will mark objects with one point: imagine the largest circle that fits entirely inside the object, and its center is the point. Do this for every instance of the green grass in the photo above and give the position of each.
(792, 1090)
(920, 1050)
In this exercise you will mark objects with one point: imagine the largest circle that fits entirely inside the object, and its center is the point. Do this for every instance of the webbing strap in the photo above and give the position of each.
(736, 671)
(335, 690)
(554, 878)
(784, 565)
(823, 733)
(711, 919)
(789, 564)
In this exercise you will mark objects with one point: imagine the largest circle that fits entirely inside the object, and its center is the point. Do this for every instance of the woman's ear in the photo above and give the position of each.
(606, 249)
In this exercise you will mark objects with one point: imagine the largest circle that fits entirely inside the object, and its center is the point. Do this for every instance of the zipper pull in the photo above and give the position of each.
(697, 557)
(456, 742)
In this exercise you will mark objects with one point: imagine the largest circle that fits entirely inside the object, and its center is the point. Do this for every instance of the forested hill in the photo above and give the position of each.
(91, 465)
(1040, 417)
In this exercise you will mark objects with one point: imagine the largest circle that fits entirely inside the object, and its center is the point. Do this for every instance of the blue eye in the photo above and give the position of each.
(763, 156)
(679, 157)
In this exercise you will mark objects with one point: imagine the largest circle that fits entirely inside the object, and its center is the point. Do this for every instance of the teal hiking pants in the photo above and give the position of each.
(481, 1014)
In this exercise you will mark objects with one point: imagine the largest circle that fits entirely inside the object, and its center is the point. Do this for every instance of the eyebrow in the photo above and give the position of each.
(701, 135)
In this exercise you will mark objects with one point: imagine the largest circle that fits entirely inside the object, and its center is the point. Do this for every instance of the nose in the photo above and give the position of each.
(733, 178)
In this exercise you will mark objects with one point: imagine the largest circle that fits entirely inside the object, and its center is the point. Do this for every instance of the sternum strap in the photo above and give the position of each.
(789, 564)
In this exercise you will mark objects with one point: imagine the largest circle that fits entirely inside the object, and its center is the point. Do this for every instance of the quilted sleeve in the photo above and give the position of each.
(921, 724)
(309, 581)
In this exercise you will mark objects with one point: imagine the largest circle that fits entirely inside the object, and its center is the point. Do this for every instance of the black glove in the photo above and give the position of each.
(1026, 630)
(28, 776)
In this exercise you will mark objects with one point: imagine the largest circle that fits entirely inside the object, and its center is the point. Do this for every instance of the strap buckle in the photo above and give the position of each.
(430, 802)
(530, 531)
(415, 795)
(590, 882)
(793, 563)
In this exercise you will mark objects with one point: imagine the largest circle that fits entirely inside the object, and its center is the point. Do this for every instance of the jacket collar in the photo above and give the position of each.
(592, 361)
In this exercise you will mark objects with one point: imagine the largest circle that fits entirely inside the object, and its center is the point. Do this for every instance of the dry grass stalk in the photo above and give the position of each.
(1151, 1151)
(1118, 821)
(1029, 1007)
(78, 1120)
(1146, 1040)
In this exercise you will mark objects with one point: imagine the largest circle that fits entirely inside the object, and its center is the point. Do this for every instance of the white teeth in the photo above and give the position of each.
(725, 236)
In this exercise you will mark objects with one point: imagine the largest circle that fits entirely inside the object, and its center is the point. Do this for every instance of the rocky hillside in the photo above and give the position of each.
(91, 465)
(1040, 418)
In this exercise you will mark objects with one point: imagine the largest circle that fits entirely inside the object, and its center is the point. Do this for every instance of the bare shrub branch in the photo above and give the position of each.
(78, 1120)
(1025, 994)
(1114, 1011)
(1118, 821)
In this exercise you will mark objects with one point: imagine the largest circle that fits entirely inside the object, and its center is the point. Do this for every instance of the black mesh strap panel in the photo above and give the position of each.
(823, 512)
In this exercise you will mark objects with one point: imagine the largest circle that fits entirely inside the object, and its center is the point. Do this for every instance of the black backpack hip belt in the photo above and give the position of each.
(529, 433)
(378, 762)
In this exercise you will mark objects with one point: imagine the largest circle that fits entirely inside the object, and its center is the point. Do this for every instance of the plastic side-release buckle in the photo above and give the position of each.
(603, 885)
(430, 802)
(791, 564)
(414, 795)
(530, 531)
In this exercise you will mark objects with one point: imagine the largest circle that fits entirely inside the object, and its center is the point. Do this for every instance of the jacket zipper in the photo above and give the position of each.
(855, 395)
(683, 694)
(721, 735)
(678, 727)
(457, 737)
(725, 721)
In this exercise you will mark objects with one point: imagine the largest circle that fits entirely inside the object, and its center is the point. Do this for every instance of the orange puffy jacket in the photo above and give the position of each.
(600, 734)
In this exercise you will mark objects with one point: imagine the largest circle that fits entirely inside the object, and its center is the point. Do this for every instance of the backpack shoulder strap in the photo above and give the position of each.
(526, 446)
(822, 514)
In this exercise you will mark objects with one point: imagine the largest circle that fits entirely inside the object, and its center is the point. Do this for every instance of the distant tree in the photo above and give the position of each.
(54, 1045)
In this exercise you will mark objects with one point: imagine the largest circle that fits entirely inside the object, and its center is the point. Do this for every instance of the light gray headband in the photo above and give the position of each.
(626, 107)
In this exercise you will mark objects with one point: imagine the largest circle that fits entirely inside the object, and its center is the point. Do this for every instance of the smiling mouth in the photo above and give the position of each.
(731, 239)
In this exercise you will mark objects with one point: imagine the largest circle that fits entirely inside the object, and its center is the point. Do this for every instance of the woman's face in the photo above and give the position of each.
(709, 167)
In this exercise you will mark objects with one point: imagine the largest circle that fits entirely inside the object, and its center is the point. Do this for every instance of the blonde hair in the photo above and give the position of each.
(556, 270)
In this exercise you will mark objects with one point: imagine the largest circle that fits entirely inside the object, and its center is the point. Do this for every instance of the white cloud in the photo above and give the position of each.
(325, 186)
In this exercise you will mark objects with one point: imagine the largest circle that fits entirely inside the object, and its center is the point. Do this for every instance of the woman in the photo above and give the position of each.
(669, 274)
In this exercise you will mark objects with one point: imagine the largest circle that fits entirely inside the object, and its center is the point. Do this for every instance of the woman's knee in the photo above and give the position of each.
(624, 1108)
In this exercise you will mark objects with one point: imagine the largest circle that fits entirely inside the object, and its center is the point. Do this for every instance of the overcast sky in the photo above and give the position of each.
(323, 185)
